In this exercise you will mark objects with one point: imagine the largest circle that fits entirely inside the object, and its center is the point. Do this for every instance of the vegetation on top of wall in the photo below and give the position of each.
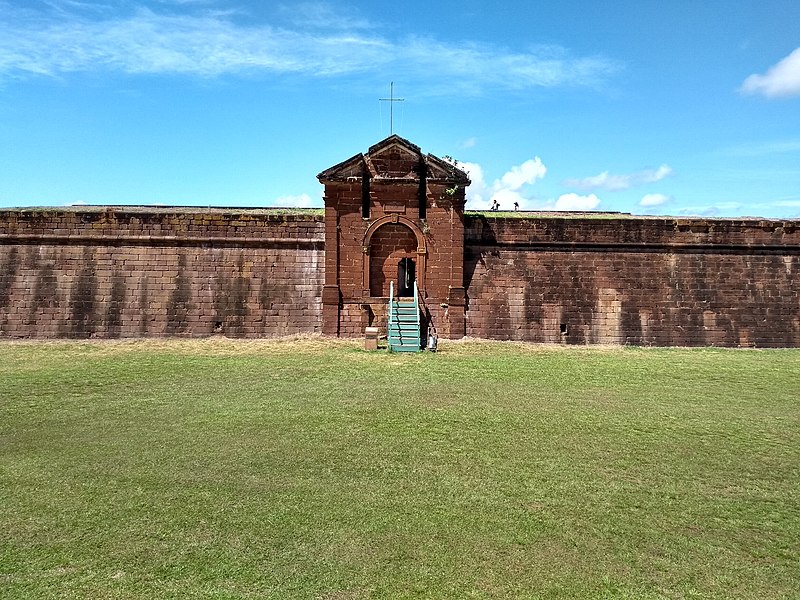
(145, 209)
(542, 214)
(294, 211)
(597, 215)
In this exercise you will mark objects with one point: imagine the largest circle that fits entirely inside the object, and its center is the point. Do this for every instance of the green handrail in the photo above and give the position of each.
(416, 303)
(391, 301)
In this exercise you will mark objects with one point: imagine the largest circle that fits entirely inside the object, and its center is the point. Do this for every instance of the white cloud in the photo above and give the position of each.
(210, 44)
(649, 176)
(526, 173)
(573, 201)
(469, 143)
(780, 80)
(615, 183)
(649, 200)
(506, 190)
(506, 198)
(478, 193)
(299, 201)
(474, 170)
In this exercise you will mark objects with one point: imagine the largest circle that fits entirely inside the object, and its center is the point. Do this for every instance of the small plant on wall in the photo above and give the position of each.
(453, 171)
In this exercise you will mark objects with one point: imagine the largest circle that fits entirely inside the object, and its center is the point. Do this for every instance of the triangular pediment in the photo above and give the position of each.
(352, 167)
(445, 171)
(395, 158)
(394, 141)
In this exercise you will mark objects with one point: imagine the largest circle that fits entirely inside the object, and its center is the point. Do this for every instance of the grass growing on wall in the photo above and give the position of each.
(311, 469)
(544, 214)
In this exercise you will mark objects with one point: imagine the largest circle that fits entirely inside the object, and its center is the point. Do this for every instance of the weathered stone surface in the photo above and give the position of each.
(129, 272)
(642, 281)
(392, 203)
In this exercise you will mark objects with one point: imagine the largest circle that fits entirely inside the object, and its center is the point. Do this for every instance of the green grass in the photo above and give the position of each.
(311, 469)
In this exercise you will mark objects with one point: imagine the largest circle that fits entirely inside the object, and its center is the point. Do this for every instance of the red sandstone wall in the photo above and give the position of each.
(129, 272)
(150, 272)
(347, 226)
(637, 281)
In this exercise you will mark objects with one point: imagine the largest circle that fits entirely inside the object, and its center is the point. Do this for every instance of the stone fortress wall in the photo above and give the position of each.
(634, 280)
(111, 272)
(128, 272)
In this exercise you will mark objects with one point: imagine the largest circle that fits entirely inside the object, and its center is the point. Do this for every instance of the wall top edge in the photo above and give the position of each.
(317, 214)
(610, 217)
(295, 213)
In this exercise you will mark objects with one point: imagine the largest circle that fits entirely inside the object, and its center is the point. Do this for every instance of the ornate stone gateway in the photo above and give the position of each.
(395, 215)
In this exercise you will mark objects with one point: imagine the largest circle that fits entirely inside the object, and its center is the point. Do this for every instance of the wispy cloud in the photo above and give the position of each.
(185, 44)
(764, 148)
(321, 15)
(470, 68)
(781, 208)
(614, 183)
(193, 40)
(712, 210)
(780, 81)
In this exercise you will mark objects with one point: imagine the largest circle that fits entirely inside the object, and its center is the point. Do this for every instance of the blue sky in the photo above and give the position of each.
(669, 107)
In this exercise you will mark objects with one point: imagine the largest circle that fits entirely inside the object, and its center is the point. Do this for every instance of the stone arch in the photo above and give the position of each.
(387, 240)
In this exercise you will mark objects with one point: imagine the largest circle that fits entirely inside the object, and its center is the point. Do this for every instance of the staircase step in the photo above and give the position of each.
(403, 341)
(404, 325)
(403, 335)
(406, 346)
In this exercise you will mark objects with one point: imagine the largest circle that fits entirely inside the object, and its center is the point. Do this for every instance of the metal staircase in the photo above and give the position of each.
(404, 328)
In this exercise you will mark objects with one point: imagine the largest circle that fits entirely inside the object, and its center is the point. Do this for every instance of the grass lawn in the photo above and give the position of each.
(311, 469)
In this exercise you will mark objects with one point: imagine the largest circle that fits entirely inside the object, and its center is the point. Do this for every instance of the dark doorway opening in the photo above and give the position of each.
(388, 245)
(406, 274)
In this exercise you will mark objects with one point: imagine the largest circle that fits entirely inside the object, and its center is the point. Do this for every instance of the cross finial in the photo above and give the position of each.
(391, 100)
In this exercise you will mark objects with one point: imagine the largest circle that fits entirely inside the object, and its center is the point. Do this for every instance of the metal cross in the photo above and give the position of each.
(391, 100)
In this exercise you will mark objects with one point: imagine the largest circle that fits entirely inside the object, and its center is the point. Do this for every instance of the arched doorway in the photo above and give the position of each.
(392, 257)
